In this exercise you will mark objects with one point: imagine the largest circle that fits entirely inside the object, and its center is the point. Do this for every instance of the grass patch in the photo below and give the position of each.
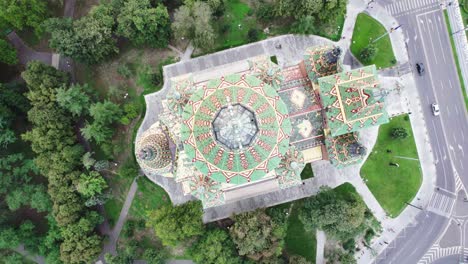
(393, 186)
(333, 31)
(455, 56)
(149, 197)
(307, 172)
(113, 207)
(297, 240)
(230, 33)
(367, 29)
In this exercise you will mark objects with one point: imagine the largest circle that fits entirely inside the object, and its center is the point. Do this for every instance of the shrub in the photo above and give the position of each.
(369, 235)
(101, 165)
(132, 111)
(350, 245)
(252, 35)
(368, 53)
(124, 71)
(399, 133)
(265, 12)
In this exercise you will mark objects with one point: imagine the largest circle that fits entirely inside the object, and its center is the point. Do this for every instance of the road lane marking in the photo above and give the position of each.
(456, 109)
(440, 42)
(461, 148)
(439, 149)
(435, 94)
(432, 43)
(448, 109)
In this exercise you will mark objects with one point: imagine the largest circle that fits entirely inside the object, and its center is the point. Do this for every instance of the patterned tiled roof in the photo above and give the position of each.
(236, 166)
(344, 150)
(321, 61)
(303, 107)
(153, 151)
(352, 100)
(206, 190)
(267, 71)
(181, 92)
(290, 168)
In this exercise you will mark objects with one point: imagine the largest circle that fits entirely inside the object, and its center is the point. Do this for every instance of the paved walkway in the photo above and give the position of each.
(321, 239)
(461, 42)
(25, 53)
(35, 258)
(111, 245)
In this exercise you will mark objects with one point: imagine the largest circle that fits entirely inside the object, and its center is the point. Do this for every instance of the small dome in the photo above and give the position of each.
(152, 149)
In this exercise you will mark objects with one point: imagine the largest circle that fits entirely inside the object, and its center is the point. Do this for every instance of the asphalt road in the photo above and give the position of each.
(428, 42)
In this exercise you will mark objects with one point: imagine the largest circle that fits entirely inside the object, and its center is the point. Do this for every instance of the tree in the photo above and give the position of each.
(7, 136)
(304, 25)
(368, 53)
(58, 157)
(152, 256)
(80, 244)
(142, 24)
(9, 238)
(88, 160)
(74, 99)
(214, 247)
(21, 14)
(7, 53)
(399, 133)
(174, 224)
(91, 184)
(194, 22)
(339, 216)
(88, 39)
(105, 113)
(97, 132)
(257, 236)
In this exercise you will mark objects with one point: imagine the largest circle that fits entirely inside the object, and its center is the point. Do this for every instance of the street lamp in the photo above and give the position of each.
(458, 31)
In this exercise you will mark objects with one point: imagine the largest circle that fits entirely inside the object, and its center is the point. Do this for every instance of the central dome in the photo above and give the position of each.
(235, 126)
(235, 129)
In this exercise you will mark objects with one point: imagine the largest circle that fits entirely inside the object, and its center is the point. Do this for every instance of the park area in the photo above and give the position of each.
(393, 185)
(366, 30)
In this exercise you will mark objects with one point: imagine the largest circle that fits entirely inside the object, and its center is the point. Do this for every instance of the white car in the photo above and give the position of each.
(435, 109)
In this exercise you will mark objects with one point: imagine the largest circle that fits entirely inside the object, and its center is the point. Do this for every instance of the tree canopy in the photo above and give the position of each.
(142, 24)
(7, 53)
(58, 156)
(257, 235)
(88, 39)
(340, 217)
(173, 224)
(194, 21)
(21, 14)
(74, 98)
(214, 247)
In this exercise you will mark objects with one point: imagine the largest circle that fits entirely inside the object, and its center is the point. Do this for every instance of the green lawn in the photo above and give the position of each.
(393, 186)
(298, 241)
(455, 56)
(149, 196)
(307, 172)
(236, 13)
(367, 29)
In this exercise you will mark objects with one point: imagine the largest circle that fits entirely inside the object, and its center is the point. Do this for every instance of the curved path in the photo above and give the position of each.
(25, 53)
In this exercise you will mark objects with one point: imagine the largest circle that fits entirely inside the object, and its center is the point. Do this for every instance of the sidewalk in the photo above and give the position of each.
(403, 98)
(461, 42)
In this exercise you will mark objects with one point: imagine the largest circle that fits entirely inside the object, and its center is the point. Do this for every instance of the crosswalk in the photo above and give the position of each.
(403, 7)
(441, 204)
(436, 252)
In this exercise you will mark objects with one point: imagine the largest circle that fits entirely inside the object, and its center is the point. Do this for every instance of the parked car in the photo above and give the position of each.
(435, 109)
(420, 68)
